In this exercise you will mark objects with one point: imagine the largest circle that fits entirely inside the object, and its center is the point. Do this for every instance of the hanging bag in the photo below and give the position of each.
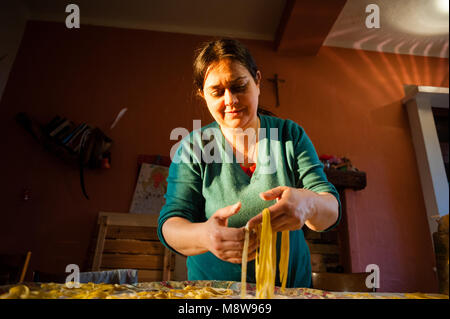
(94, 153)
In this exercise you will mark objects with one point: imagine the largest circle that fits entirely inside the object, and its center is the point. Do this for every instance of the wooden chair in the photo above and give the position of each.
(341, 282)
(14, 267)
(130, 241)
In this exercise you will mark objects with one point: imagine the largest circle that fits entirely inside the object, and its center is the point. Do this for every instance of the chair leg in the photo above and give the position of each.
(167, 264)
(25, 267)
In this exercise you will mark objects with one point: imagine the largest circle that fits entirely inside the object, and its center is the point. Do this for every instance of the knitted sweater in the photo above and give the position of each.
(200, 183)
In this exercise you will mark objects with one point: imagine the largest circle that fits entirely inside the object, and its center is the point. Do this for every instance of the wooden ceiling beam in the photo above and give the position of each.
(305, 24)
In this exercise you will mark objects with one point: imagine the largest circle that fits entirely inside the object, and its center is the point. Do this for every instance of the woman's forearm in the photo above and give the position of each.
(326, 212)
(184, 236)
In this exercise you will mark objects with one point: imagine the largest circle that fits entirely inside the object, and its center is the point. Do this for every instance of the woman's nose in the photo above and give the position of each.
(230, 98)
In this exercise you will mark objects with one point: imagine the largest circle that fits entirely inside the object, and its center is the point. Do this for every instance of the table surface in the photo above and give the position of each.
(184, 290)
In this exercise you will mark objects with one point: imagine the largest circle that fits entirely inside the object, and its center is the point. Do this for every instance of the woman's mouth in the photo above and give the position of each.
(234, 111)
(234, 114)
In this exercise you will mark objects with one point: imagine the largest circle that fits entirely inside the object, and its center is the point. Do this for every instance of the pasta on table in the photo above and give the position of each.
(206, 289)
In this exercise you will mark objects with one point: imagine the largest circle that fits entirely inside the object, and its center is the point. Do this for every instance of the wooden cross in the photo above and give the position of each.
(275, 81)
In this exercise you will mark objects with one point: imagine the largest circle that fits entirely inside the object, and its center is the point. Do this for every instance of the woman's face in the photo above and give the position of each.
(231, 94)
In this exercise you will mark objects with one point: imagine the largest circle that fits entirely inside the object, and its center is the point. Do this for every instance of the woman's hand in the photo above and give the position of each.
(224, 242)
(297, 206)
(294, 207)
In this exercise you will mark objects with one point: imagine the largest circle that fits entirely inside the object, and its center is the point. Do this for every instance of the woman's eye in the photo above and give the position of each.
(217, 93)
(234, 89)
(239, 88)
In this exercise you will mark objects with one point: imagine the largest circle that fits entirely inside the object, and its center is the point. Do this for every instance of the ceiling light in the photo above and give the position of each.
(419, 17)
(442, 5)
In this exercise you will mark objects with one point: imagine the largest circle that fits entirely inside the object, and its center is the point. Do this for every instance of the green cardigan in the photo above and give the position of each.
(199, 185)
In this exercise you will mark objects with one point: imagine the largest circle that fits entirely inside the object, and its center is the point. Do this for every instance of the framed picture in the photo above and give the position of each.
(151, 185)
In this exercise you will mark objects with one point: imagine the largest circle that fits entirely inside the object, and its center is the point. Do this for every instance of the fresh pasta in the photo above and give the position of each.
(110, 291)
(284, 259)
(244, 263)
(265, 263)
(264, 270)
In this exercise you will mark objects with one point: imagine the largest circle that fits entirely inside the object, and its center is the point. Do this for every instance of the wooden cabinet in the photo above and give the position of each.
(330, 250)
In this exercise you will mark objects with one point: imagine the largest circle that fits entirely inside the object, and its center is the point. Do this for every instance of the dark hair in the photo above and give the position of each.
(225, 48)
(214, 51)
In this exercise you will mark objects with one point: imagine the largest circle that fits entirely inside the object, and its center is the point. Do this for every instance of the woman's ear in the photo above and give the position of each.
(258, 82)
(258, 78)
(200, 94)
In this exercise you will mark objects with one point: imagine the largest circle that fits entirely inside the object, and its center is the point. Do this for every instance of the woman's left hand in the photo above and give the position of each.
(293, 208)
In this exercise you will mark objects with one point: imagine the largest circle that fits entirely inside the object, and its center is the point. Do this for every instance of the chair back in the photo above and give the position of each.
(130, 241)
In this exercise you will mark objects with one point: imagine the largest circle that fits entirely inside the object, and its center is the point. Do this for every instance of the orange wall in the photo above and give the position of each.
(348, 101)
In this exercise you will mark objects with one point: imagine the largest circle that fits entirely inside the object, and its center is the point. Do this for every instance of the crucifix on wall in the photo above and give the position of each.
(275, 80)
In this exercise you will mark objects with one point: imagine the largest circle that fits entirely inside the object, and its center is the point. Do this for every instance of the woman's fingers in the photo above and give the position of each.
(232, 250)
(281, 223)
(288, 213)
(224, 213)
(234, 240)
(231, 246)
(275, 210)
(278, 222)
(227, 243)
(229, 234)
(255, 221)
(238, 260)
(273, 193)
(235, 256)
(281, 227)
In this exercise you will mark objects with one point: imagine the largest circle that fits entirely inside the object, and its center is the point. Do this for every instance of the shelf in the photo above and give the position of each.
(346, 179)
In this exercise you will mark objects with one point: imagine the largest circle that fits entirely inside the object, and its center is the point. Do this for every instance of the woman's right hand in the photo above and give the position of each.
(227, 243)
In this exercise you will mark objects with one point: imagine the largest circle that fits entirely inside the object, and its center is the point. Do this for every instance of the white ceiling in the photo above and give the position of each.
(417, 27)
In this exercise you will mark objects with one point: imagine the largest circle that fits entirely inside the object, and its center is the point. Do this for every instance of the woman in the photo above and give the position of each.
(274, 165)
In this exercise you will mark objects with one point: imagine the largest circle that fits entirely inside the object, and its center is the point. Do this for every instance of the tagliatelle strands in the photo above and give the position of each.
(110, 291)
(244, 263)
(264, 268)
(266, 256)
(159, 291)
(284, 259)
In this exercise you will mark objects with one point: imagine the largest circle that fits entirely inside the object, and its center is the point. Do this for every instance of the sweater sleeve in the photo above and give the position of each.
(310, 168)
(184, 192)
